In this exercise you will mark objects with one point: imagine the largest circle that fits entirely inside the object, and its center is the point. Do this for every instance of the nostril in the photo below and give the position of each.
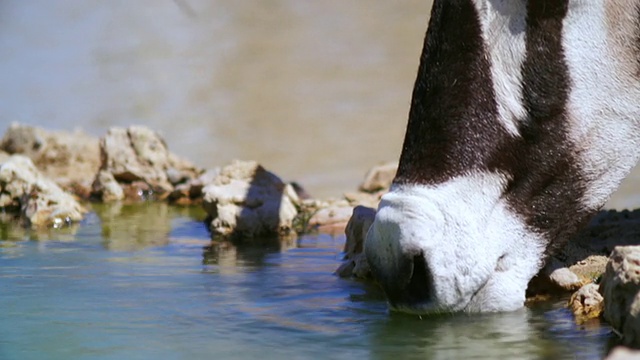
(419, 287)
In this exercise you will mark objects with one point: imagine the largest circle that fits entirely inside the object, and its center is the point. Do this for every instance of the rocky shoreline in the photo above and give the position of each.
(50, 179)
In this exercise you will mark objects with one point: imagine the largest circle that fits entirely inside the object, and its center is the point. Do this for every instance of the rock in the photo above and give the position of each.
(364, 198)
(247, 201)
(379, 177)
(554, 279)
(71, 159)
(37, 199)
(620, 287)
(586, 255)
(139, 160)
(190, 193)
(355, 263)
(590, 268)
(4, 156)
(107, 186)
(623, 353)
(586, 303)
(330, 216)
(564, 278)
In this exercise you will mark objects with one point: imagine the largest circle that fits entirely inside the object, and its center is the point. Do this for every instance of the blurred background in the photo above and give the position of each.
(316, 91)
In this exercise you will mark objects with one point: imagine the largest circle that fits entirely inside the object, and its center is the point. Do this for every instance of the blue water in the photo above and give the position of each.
(146, 282)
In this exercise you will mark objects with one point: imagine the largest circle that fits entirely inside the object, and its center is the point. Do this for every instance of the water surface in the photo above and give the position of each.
(316, 91)
(145, 281)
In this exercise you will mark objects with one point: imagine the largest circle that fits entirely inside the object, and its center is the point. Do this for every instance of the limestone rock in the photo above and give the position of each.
(107, 186)
(327, 216)
(379, 177)
(355, 263)
(620, 287)
(71, 159)
(564, 278)
(190, 193)
(554, 279)
(364, 198)
(4, 156)
(139, 160)
(37, 199)
(586, 303)
(247, 201)
(586, 255)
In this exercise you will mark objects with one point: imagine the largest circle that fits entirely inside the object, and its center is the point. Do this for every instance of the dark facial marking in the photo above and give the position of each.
(547, 184)
(452, 122)
(454, 129)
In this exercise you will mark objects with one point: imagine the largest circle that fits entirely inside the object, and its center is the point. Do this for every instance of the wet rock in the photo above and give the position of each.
(562, 277)
(355, 263)
(247, 201)
(190, 193)
(623, 353)
(71, 159)
(586, 255)
(330, 216)
(139, 160)
(379, 178)
(586, 303)
(620, 287)
(35, 198)
(107, 186)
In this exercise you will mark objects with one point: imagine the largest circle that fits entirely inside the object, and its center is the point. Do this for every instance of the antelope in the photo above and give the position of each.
(524, 118)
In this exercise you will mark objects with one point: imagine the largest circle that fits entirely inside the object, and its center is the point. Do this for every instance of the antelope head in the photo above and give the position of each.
(524, 119)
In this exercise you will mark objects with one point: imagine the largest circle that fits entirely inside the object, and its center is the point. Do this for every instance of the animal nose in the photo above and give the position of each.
(412, 287)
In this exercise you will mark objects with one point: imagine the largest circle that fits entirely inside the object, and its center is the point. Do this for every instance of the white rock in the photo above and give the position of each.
(620, 287)
(379, 177)
(139, 154)
(40, 200)
(247, 201)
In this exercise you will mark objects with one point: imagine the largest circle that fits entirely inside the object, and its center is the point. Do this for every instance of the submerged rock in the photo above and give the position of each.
(355, 262)
(247, 201)
(586, 303)
(620, 287)
(139, 161)
(71, 159)
(36, 199)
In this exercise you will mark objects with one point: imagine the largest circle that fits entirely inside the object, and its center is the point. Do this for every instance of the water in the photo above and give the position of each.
(316, 91)
(145, 281)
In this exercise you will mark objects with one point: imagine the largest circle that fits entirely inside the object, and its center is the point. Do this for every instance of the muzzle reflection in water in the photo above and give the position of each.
(530, 333)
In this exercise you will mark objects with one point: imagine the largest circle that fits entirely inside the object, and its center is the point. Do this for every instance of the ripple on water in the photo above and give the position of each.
(186, 296)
